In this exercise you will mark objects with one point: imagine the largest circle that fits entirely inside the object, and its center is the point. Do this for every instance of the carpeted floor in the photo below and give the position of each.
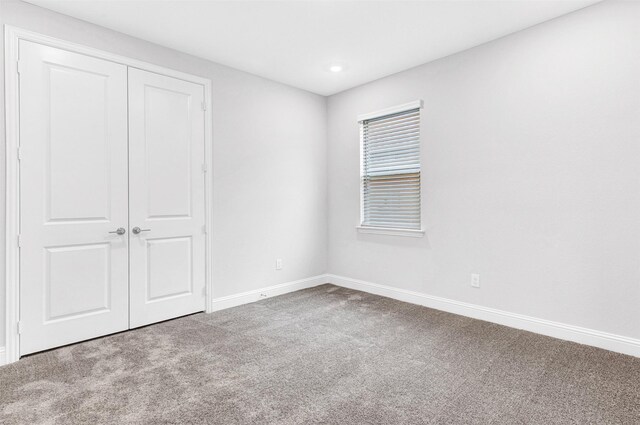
(325, 355)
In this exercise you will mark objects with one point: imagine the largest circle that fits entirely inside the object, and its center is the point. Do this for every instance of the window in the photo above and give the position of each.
(391, 171)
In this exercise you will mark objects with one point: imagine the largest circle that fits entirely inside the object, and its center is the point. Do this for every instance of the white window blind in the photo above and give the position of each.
(391, 170)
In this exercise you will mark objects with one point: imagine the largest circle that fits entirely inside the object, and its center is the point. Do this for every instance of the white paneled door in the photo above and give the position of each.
(73, 196)
(166, 197)
(112, 197)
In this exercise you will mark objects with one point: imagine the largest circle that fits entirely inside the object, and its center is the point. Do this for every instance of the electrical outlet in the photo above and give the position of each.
(475, 280)
(278, 263)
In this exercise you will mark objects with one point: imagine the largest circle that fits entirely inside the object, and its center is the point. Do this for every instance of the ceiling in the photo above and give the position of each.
(297, 42)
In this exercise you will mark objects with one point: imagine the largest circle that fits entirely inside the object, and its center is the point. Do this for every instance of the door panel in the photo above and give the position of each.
(77, 147)
(168, 147)
(76, 281)
(169, 263)
(73, 192)
(166, 155)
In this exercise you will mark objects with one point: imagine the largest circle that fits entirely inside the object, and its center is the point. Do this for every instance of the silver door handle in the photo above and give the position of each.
(136, 230)
(120, 231)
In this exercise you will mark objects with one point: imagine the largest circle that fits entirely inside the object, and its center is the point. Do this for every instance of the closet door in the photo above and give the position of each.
(166, 198)
(73, 197)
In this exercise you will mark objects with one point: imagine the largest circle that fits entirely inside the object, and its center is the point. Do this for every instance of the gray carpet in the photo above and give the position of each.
(326, 355)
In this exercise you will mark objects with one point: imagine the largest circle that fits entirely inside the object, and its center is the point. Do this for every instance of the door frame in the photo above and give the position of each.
(13, 35)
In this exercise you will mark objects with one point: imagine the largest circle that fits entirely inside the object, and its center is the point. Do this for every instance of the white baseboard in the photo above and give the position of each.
(267, 292)
(607, 341)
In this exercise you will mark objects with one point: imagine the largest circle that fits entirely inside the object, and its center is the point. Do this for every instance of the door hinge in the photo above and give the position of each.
(19, 153)
(204, 106)
(19, 241)
(20, 328)
(19, 66)
(204, 167)
(204, 229)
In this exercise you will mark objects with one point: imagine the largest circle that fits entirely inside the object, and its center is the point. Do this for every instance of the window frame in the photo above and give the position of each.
(390, 231)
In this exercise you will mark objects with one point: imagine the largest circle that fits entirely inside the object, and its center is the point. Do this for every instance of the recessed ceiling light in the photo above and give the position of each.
(335, 68)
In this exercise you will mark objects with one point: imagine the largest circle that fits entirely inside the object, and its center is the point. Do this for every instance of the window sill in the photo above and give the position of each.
(390, 231)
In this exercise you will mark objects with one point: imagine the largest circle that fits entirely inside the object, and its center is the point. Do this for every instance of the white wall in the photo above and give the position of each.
(269, 165)
(531, 156)
(531, 173)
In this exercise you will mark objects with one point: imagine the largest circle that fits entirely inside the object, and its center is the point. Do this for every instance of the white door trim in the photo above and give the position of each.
(12, 256)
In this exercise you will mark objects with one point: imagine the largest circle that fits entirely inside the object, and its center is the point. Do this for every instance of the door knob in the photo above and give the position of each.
(136, 230)
(119, 231)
